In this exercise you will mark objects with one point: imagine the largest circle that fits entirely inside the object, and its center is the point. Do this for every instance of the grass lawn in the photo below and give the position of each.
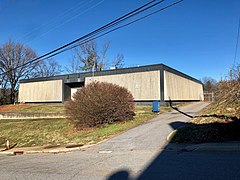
(40, 132)
(34, 108)
(215, 124)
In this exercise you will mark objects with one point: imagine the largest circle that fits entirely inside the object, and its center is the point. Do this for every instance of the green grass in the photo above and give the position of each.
(34, 132)
(41, 132)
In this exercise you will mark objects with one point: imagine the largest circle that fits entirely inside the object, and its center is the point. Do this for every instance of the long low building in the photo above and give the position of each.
(146, 83)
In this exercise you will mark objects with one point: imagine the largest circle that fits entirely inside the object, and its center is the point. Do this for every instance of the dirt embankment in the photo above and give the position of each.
(13, 107)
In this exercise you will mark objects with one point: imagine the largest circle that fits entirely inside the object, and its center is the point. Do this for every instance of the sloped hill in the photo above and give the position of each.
(220, 121)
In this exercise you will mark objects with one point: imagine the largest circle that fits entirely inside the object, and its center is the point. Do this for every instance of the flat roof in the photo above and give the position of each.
(80, 77)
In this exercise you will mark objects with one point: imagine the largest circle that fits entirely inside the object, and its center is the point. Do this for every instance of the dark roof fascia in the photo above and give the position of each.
(72, 77)
(80, 77)
(126, 70)
(65, 78)
(42, 79)
(143, 69)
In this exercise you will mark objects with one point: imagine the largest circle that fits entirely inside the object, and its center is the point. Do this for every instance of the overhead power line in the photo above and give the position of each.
(106, 29)
(70, 19)
(236, 48)
(122, 26)
(53, 23)
(91, 34)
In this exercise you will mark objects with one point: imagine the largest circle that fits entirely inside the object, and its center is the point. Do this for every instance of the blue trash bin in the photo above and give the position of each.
(155, 106)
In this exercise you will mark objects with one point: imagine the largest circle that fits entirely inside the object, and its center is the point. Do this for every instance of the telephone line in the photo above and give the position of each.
(53, 20)
(236, 48)
(79, 39)
(122, 26)
(73, 17)
(90, 36)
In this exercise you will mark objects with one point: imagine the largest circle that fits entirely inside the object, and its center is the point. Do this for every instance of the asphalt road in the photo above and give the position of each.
(136, 154)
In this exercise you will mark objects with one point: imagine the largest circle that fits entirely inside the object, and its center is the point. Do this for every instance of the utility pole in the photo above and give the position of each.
(93, 69)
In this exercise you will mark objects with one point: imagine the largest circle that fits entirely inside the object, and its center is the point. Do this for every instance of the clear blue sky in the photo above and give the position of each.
(197, 37)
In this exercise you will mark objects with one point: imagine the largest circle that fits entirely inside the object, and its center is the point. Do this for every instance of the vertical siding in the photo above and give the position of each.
(179, 88)
(43, 91)
(73, 91)
(143, 85)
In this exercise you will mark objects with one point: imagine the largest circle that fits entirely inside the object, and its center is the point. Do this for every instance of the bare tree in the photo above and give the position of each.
(90, 58)
(13, 57)
(228, 91)
(4, 94)
(209, 84)
(74, 67)
(118, 61)
(102, 61)
(47, 68)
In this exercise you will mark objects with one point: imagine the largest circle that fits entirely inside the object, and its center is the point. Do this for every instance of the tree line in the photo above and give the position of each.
(14, 57)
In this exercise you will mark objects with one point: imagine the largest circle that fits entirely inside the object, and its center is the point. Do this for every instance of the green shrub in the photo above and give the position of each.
(100, 103)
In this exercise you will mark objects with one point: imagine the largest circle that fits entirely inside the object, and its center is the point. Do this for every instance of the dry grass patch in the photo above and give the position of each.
(210, 127)
(34, 108)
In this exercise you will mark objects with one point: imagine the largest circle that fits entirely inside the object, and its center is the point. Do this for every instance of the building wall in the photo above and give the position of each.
(143, 85)
(179, 88)
(42, 91)
(73, 91)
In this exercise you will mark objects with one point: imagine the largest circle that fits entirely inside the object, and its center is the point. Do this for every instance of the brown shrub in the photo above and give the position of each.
(100, 103)
(228, 92)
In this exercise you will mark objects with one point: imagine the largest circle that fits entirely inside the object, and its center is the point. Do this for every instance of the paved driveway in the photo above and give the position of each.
(151, 135)
(136, 153)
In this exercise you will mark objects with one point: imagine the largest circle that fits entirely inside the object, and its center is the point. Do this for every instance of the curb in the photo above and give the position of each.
(43, 149)
(170, 135)
(54, 151)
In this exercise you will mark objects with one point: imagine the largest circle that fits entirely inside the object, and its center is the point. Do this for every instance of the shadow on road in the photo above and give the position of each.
(120, 175)
(177, 163)
(174, 162)
(177, 124)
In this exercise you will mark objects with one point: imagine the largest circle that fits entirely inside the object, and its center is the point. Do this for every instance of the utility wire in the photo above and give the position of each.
(128, 16)
(55, 19)
(122, 26)
(68, 20)
(90, 36)
(81, 38)
(236, 48)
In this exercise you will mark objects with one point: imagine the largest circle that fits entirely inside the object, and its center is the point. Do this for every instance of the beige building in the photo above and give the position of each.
(146, 83)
